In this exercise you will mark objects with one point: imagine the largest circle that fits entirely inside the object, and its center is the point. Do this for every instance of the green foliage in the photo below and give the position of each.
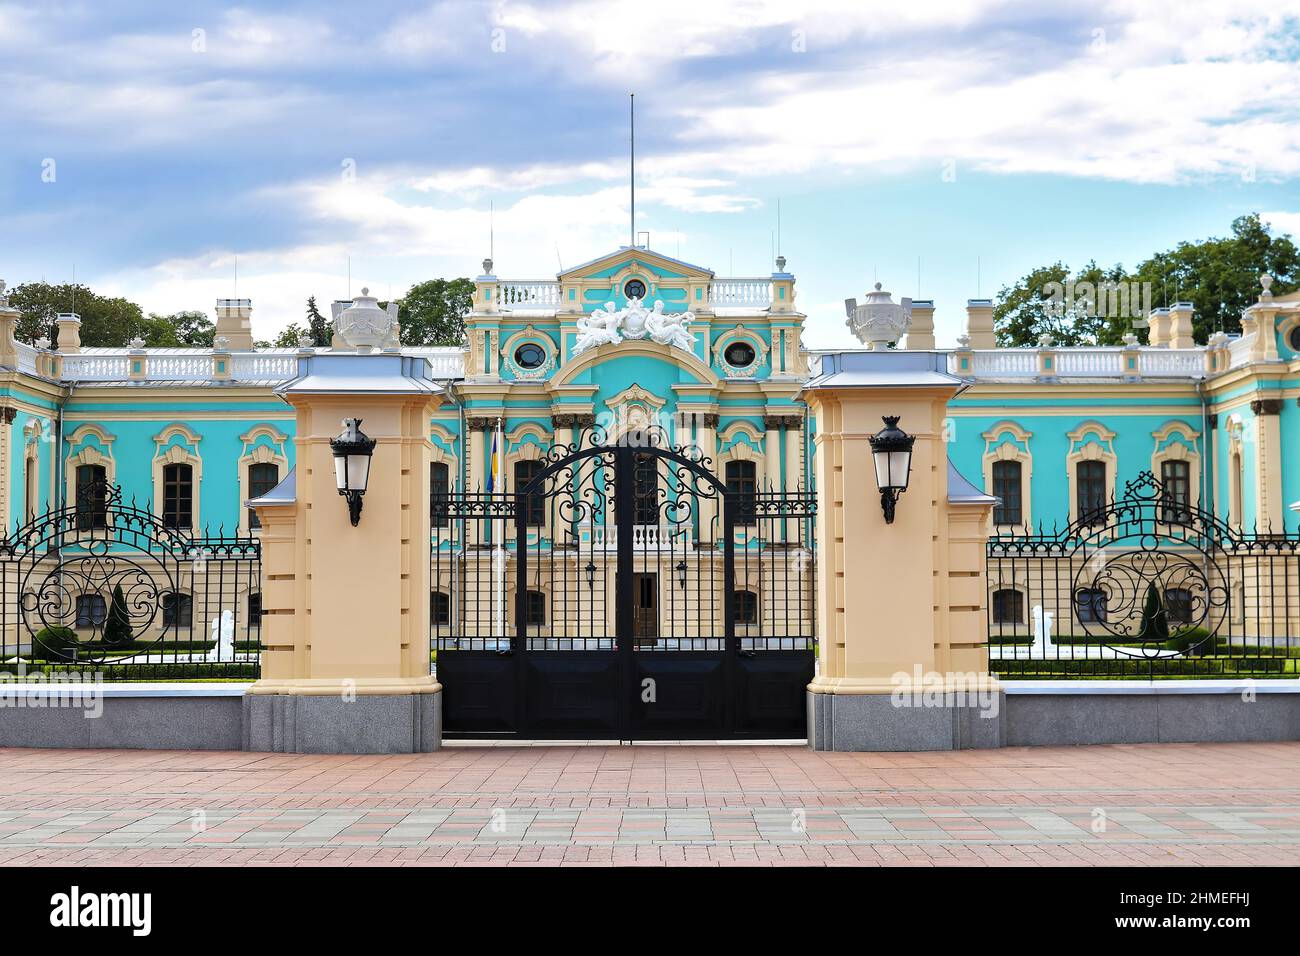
(1195, 640)
(318, 327)
(54, 643)
(105, 321)
(1219, 276)
(117, 628)
(433, 312)
(289, 336)
(1155, 622)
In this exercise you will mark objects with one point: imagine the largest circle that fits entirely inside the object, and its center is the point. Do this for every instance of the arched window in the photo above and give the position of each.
(535, 506)
(31, 490)
(439, 608)
(92, 610)
(262, 478)
(1006, 487)
(745, 605)
(177, 610)
(742, 488)
(1008, 606)
(535, 609)
(439, 492)
(1090, 484)
(178, 496)
(92, 497)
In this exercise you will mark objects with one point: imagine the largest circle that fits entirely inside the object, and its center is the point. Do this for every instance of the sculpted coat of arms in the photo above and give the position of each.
(610, 325)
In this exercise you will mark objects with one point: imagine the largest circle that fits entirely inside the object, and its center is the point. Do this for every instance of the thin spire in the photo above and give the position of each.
(236, 290)
(778, 226)
(631, 106)
(492, 229)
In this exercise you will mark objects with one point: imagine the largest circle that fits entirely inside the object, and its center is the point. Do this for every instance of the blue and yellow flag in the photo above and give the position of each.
(495, 468)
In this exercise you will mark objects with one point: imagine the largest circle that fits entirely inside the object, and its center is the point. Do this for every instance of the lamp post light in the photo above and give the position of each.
(891, 448)
(352, 451)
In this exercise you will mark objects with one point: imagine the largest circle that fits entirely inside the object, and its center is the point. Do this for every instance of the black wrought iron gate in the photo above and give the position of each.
(622, 591)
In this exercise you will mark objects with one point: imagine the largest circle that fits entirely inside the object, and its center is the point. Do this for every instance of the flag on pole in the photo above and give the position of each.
(494, 471)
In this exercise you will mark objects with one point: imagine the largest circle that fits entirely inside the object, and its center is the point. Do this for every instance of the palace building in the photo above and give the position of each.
(634, 348)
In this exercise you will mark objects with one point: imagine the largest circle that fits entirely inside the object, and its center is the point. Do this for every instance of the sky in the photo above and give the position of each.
(157, 150)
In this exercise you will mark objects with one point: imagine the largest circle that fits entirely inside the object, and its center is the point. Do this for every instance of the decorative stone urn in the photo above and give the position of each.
(364, 326)
(878, 322)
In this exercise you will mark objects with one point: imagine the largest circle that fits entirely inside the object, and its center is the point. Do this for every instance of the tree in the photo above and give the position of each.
(1069, 308)
(433, 312)
(107, 321)
(1155, 622)
(117, 627)
(318, 327)
(289, 336)
(1219, 276)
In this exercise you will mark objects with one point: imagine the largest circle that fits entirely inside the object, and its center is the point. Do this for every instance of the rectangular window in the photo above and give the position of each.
(535, 609)
(439, 493)
(646, 491)
(1090, 605)
(92, 610)
(92, 497)
(1178, 605)
(1176, 479)
(1090, 487)
(262, 479)
(1006, 487)
(178, 610)
(742, 489)
(1008, 607)
(178, 496)
(534, 515)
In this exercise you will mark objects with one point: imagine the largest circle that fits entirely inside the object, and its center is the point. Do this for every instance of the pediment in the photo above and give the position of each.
(639, 260)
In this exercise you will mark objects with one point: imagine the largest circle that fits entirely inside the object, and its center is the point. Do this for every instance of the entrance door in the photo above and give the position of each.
(645, 616)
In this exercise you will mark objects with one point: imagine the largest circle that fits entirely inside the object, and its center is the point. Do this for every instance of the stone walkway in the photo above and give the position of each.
(1185, 804)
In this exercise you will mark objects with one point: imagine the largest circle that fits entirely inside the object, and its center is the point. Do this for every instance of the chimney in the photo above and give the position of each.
(979, 323)
(235, 322)
(1180, 328)
(920, 331)
(1159, 335)
(69, 332)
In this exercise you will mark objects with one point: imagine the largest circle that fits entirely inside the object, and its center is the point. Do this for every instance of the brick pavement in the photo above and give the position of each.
(1184, 804)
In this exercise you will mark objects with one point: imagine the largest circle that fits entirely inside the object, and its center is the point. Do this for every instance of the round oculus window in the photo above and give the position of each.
(1293, 339)
(530, 355)
(634, 289)
(740, 355)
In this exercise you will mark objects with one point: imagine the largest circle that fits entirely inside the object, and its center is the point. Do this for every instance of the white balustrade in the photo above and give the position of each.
(259, 366)
(26, 358)
(1184, 363)
(190, 368)
(741, 292)
(1089, 362)
(1239, 350)
(96, 367)
(528, 295)
(645, 537)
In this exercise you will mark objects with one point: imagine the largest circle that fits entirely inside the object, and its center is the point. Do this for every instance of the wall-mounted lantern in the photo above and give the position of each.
(891, 447)
(681, 574)
(591, 575)
(352, 451)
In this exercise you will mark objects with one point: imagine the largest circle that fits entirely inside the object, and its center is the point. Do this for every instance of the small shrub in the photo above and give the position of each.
(54, 643)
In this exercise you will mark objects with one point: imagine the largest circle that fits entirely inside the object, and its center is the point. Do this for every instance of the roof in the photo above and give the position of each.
(962, 492)
(285, 493)
(382, 373)
(894, 368)
(634, 250)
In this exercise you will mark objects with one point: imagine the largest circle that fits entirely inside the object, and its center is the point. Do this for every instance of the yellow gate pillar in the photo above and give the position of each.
(901, 606)
(346, 608)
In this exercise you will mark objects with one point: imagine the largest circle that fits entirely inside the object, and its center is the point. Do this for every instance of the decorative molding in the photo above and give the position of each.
(1266, 406)
(1008, 441)
(567, 420)
(529, 334)
(775, 422)
(740, 334)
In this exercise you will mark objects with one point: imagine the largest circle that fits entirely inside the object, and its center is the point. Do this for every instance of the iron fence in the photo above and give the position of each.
(1146, 586)
(107, 590)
